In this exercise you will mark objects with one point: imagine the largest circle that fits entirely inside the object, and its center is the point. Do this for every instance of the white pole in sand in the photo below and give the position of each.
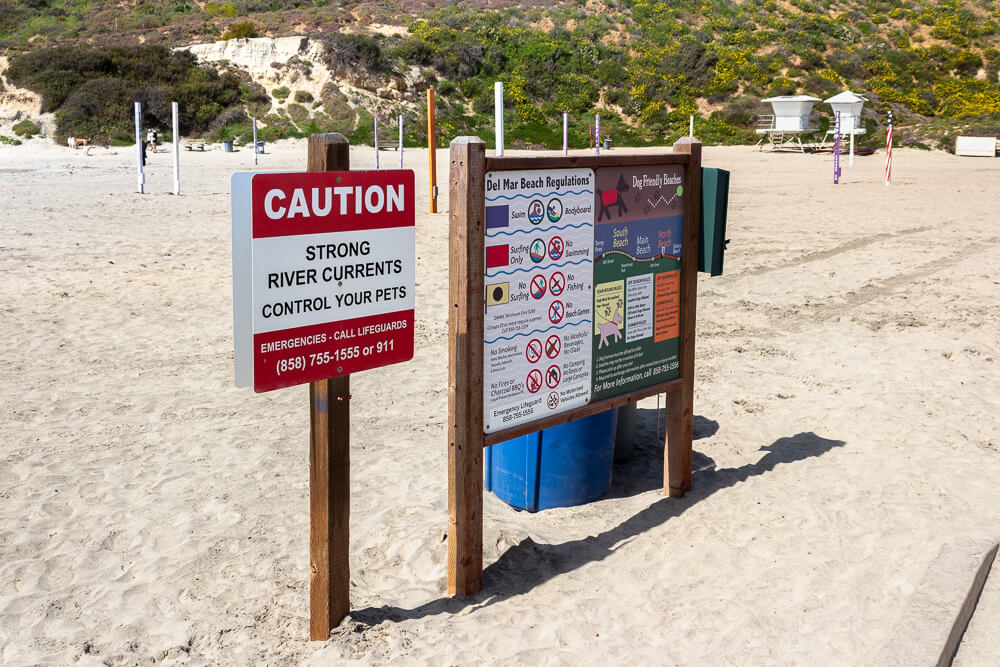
(400, 141)
(140, 176)
(850, 160)
(597, 134)
(376, 142)
(565, 133)
(691, 127)
(255, 141)
(498, 114)
(177, 147)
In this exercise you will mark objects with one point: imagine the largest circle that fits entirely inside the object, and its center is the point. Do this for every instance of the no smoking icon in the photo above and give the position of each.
(534, 381)
(556, 248)
(533, 350)
(557, 283)
(538, 287)
(556, 311)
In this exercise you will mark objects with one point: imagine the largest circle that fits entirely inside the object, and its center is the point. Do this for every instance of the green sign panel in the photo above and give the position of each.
(639, 222)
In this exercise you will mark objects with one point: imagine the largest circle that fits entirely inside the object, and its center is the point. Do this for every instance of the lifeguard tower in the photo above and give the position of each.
(849, 105)
(788, 123)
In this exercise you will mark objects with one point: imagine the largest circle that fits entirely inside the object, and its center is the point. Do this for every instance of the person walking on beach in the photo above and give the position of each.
(151, 138)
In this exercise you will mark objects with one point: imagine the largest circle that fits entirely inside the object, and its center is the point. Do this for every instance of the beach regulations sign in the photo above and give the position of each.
(323, 274)
(582, 282)
(539, 294)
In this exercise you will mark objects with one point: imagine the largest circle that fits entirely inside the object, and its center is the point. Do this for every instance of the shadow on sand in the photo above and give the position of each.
(529, 564)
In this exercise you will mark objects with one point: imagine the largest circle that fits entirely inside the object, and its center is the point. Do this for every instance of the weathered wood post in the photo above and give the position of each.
(329, 459)
(467, 210)
(680, 404)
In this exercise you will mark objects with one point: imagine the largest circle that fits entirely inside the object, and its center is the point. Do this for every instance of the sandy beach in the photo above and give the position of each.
(846, 396)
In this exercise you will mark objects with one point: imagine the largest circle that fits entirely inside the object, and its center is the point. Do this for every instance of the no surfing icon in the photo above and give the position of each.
(538, 287)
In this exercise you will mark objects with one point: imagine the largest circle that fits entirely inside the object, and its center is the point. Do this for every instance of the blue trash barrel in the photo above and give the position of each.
(561, 466)
(227, 147)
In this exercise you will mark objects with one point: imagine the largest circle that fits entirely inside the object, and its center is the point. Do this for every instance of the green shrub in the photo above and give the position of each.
(26, 128)
(92, 90)
(281, 92)
(303, 96)
(241, 30)
(9, 140)
(220, 9)
(298, 113)
(364, 129)
(349, 51)
(341, 113)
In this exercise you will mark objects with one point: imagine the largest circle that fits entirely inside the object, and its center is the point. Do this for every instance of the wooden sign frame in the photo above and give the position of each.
(466, 437)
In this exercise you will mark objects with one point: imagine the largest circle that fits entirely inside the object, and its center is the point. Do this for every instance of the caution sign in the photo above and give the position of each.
(539, 294)
(323, 274)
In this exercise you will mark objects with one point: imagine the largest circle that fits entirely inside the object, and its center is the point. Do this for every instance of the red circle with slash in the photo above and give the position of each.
(533, 350)
(553, 346)
(556, 311)
(538, 287)
(534, 381)
(555, 248)
(552, 376)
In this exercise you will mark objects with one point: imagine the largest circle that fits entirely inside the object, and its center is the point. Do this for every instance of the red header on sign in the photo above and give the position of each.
(331, 201)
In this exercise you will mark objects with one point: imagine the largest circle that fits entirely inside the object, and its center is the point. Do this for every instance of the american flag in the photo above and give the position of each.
(888, 152)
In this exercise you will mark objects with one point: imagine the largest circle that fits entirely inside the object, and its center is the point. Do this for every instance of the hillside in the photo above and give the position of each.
(644, 65)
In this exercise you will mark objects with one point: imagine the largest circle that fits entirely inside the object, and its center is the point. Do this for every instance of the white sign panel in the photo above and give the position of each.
(539, 294)
(323, 274)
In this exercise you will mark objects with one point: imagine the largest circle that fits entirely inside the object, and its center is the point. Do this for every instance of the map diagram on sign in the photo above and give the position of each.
(637, 250)
(539, 294)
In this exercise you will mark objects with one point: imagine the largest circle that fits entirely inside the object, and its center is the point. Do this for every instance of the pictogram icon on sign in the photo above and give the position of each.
(536, 211)
(554, 210)
(537, 250)
(553, 346)
(552, 376)
(538, 287)
(553, 400)
(556, 248)
(533, 350)
(556, 312)
(557, 283)
(534, 381)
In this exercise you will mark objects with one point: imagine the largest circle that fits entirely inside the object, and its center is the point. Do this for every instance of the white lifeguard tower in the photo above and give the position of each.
(788, 123)
(849, 105)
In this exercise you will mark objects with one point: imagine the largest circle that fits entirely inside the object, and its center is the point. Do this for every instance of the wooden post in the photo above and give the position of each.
(329, 460)
(432, 148)
(680, 404)
(467, 197)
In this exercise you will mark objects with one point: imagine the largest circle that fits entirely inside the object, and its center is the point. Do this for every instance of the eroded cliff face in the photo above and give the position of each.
(16, 103)
(297, 63)
(292, 62)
